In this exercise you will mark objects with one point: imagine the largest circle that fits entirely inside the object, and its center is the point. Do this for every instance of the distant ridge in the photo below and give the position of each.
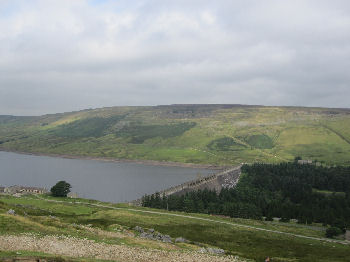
(204, 134)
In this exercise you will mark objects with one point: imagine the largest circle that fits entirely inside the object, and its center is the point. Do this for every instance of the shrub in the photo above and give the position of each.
(333, 231)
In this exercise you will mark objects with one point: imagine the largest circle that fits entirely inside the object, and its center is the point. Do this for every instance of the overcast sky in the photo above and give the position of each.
(65, 55)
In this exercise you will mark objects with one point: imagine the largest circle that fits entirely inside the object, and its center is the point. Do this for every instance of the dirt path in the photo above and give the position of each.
(206, 219)
(75, 247)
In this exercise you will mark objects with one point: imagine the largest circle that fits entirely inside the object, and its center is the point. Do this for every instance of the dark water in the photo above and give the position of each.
(106, 181)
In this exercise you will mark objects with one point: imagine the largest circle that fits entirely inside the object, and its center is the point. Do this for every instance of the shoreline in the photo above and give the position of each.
(118, 160)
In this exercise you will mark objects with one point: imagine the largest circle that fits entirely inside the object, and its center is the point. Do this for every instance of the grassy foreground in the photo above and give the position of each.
(114, 226)
(201, 134)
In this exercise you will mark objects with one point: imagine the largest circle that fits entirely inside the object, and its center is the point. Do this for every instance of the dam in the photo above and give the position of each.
(224, 179)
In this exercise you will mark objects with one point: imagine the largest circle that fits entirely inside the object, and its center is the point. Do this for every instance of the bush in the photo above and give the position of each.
(284, 219)
(269, 218)
(333, 231)
(339, 223)
(61, 189)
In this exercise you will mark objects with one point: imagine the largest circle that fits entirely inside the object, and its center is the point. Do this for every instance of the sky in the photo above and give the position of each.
(66, 55)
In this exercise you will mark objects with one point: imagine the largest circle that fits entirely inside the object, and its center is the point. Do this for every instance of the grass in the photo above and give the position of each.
(88, 127)
(206, 134)
(260, 141)
(237, 240)
(225, 144)
(139, 133)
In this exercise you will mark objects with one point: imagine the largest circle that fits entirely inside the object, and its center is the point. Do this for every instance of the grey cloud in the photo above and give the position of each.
(68, 55)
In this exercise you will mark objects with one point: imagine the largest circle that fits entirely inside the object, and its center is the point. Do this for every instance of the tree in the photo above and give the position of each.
(61, 189)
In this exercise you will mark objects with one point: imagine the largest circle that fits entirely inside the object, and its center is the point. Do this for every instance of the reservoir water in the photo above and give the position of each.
(105, 181)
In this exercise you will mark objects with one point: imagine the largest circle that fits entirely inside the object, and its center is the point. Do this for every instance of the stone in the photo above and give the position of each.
(181, 240)
(153, 235)
(11, 212)
(143, 234)
(202, 250)
(166, 239)
(147, 235)
(216, 251)
(139, 229)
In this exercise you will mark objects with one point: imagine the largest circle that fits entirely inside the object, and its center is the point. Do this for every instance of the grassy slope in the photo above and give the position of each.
(188, 134)
(247, 243)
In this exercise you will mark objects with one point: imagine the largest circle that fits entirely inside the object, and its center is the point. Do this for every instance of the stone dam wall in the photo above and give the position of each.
(225, 179)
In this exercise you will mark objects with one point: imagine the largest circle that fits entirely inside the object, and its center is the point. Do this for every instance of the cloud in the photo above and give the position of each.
(67, 55)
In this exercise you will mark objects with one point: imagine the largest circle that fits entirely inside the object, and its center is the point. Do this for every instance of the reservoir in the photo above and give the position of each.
(93, 179)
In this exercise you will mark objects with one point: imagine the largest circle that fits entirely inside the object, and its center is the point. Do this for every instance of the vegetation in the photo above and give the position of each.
(88, 127)
(282, 190)
(260, 141)
(333, 231)
(140, 133)
(225, 144)
(64, 218)
(61, 189)
(203, 134)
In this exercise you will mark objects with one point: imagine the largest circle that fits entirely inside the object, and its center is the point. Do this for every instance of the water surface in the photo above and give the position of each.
(105, 181)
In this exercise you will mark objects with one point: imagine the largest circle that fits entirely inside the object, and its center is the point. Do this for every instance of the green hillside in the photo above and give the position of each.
(87, 230)
(202, 134)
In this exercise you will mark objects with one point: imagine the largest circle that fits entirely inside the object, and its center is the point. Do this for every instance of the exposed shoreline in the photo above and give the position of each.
(117, 160)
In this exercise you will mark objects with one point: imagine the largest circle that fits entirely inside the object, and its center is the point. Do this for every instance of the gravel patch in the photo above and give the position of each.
(76, 247)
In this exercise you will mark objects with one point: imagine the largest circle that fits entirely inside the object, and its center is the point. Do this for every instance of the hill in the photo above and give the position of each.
(200, 134)
(85, 230)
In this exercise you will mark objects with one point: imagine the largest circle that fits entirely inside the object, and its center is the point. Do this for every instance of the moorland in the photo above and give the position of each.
(197, 134)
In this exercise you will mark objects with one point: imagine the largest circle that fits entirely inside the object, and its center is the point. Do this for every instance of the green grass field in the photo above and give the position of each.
(203, 134)
(33, 215)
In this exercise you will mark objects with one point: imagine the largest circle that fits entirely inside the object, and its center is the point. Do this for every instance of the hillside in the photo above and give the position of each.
(200, 134)
(85, 230)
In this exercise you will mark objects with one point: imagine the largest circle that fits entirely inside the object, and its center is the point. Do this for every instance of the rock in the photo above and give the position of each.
(147, 235)
(139, 229)
(166, 239)
(143, 234)
(153, 235)
(216, 251)
(202, 250)
(11, 212)
(181, 240)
